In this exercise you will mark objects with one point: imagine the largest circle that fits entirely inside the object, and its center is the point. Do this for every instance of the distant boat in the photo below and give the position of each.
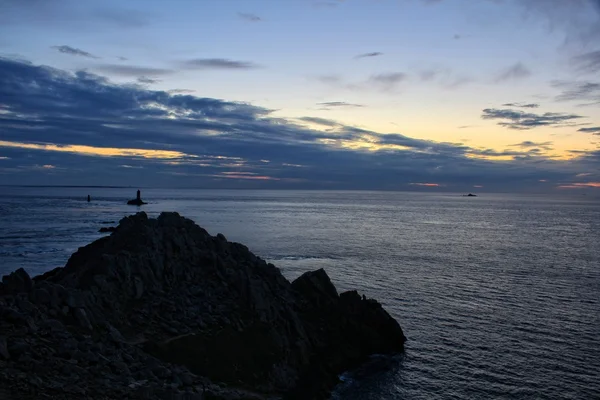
(469, 195)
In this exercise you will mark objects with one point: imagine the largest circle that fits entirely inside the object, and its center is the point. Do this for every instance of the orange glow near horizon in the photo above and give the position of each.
(490, 157)
(584, 185)
(238, 173)
(452, 124)
(242, 175)
(99, 151)
(365, 144)
(427, 184)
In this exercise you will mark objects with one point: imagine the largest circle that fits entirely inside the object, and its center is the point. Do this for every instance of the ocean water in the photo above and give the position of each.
(498, 295)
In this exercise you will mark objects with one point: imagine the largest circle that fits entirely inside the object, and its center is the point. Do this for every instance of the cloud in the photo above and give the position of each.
(218, 63)
(132, 70)
(457, 82)
(529, 154)
(582, 91)
(588, 62)
(64, 14)
(426, 184)
(98, 151)
(388, 78)
(521, 105)
(529, 144)
(37, 11)
(327, 4)
(249, 17)
(88, 126)
(517, 71)
(383, 82)
(594, 130)
(577, 20)
(321, 121)
(146, 80)
(387, 81)
(367, 55)
(132, 166)
(515, 119)
(580, 185)
(429, 74)
(180, 91)
(126, 18)
(73, 51)
(444, 76)
(331, 79)
(328, 105)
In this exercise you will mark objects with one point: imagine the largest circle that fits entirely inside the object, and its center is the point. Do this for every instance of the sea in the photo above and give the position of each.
(499, 295)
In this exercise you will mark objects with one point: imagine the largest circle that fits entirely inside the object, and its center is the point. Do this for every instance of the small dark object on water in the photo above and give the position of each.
(469, 195)
(89, 198)
(105, 229)
(137, 201)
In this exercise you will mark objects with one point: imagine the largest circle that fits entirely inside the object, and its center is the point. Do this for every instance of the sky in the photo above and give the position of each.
(452, 95)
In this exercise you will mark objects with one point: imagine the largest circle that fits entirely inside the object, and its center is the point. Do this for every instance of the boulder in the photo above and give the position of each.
(315, 288)
(17, 281)
(135, 202)
(3, 348)
(41, 296)
(82, 319)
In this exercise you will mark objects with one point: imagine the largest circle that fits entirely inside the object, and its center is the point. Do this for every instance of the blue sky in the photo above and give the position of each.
(354, 94)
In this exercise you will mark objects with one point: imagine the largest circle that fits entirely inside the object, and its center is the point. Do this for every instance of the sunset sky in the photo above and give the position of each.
(457, 95)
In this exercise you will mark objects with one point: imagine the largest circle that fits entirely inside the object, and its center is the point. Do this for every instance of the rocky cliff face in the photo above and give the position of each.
(160, 308)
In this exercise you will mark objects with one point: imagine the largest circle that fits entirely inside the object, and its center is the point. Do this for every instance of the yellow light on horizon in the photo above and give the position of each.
(579, 185)
(99, 151)
(427, 184)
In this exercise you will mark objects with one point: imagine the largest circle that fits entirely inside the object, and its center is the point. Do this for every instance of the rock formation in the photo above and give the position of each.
(137, 201)
(161, 309)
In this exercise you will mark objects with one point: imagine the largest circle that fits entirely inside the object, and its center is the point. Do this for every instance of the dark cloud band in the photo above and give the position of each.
(516, 119)
(84, 125)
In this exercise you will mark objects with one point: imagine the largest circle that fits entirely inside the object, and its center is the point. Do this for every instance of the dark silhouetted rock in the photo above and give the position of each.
(161, 306)
(41, 296)
(137, 201)
(3, 348)
(17, 281)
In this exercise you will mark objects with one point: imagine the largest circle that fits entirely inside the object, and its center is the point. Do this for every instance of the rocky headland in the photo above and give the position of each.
(162, 309)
